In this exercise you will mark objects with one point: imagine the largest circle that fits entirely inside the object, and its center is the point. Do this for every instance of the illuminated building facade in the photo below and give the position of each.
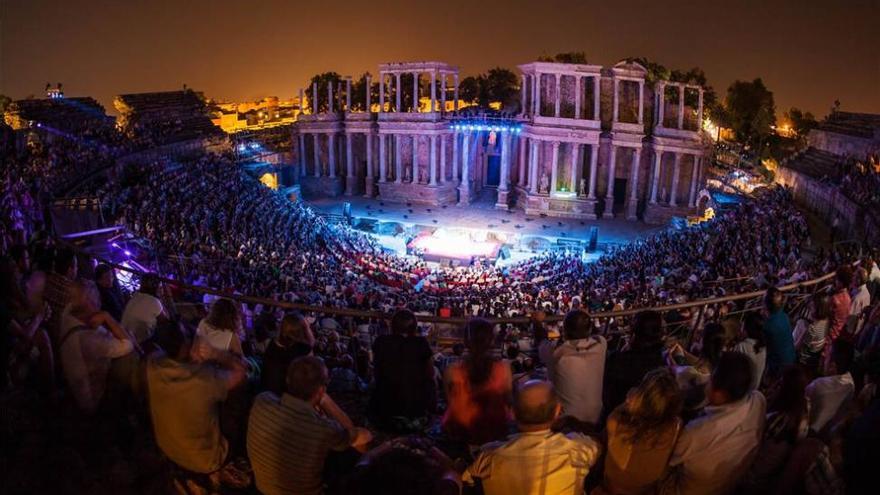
(587, 141)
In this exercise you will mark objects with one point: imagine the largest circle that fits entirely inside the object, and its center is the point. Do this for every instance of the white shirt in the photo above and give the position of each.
(861, 299)
(717, 448)
(874, 275)
(827, 394)
(86, 356)
(758, 359)
(140, 315)
(577, 368)
(540, 462)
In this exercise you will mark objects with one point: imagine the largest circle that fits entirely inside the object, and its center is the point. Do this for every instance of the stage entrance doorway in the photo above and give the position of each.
(493, 170)
(619, 195)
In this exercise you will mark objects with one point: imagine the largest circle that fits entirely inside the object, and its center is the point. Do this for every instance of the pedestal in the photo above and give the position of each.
(369, 187)
(503, 201)
(632, 209)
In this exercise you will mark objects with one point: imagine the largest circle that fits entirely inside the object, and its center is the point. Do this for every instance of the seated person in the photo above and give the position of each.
(536, 460)
(289, 437)
(294, 340)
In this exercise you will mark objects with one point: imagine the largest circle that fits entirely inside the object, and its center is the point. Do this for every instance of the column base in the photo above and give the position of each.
(369, 187)
(350, 185)
(503, 201)
(464, 195)
(609, 208)
(632, 209)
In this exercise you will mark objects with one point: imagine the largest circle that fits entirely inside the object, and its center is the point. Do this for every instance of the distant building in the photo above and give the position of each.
(268, 112)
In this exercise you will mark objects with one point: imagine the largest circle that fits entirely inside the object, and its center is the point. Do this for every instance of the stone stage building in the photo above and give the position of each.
(587, 141)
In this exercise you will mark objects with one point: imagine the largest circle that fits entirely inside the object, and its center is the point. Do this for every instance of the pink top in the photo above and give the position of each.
(478, 415)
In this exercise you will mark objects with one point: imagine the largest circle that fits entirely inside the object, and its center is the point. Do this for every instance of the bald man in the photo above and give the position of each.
(536, 460)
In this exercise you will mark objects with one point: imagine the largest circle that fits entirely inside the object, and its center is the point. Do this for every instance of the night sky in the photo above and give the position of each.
(808, 52)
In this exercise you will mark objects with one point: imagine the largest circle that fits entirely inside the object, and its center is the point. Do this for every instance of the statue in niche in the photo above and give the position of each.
(422, 178)
(544, 185)
(583, 189)
(407, 174)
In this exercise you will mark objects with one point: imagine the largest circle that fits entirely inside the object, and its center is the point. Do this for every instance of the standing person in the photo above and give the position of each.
(841, 305)
(860, 299)
(289, 437)
(478, 390)
(185, 398)
(752, 346)
(625, 369)
(294, 340)
(641, 435)
(404, 392)
(777, 329)
(715, 449)
(828, 394)
(58, 287)
(144, 309)
(536, 460)
(576, 367)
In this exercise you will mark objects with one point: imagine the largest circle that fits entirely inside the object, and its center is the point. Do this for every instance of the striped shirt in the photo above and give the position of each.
(287, 443)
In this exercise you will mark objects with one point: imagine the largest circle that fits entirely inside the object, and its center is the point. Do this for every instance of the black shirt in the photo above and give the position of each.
(404, 382)
(625, 370)
(275, 364)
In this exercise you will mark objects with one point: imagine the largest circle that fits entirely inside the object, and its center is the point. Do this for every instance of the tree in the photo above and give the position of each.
(502, 85)
(359, 93)
(565, 58)
(470, 89)
(5, 101)
(751, 111)
(322, 80)
(801, 122)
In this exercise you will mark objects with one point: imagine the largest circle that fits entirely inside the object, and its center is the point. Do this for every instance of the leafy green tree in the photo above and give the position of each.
(470, 89)
(801, 122)
(751, 111)
(502, 85)
(359, 93)
(565, 58)
(5, 101)
(321, 100)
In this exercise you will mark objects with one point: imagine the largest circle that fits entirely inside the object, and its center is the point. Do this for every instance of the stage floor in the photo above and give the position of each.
(482, 215)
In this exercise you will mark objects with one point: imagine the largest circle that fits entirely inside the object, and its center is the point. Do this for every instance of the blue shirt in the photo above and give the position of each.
(780, 343)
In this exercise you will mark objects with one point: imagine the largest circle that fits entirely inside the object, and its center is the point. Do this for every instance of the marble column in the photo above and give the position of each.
(661, 104)
(383, 158)
(676, 170)
(433, 160)
(612, 169)
(577, 97)
(533, 166)
(522, 88)
(302, 154)
(537, 77)
(316, 149)
(443, 158)
(456, 156)
(414, 175)
(368, 96)
(433, 90)
(370, 175)
(575, 162)
(694, 173)
(615, 99)
(314, 98)
(632, 208)
(381, 92)
(455, 95)
(597, 102)
(348, 94)
(397, 93)
(442, 92)
(505, 162)
(521, 161)
(398, 160)
(655, 178)
(554, 170)
(680, 107)
(349, 167)
(641, 101)
(558, 97)
(331, 154)
(594, 169)
(700, 111)
(415, 104)
(330, 104)
(464, 189)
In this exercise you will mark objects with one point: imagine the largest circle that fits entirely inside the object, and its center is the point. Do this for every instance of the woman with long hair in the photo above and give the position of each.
(753, 345)
(478, 390)
(641, 435)
(693, 372)
(219, 331)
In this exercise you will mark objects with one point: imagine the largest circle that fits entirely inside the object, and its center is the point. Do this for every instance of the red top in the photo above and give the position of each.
(478, 415)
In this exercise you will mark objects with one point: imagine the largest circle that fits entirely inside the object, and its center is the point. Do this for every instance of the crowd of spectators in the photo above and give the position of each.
(244, 397)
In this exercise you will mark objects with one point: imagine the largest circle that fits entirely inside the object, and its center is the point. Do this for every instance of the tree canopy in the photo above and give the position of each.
(498, 84)
(5, 101)
(751, 111)
(322, 101)
(801, 122)
(565, 58)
